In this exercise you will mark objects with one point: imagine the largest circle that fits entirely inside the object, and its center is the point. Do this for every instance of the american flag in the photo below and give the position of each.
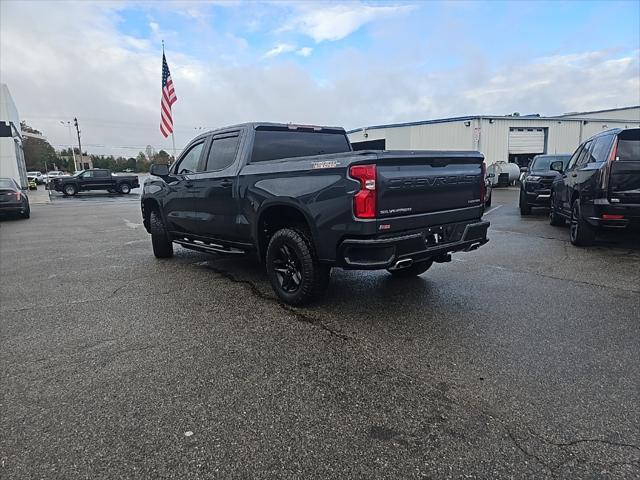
(168, 99)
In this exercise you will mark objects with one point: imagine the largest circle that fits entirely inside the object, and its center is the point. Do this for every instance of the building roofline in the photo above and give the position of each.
(494, 117)
(571, 114)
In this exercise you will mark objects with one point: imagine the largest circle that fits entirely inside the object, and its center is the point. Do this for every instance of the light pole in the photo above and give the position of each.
(73, 153)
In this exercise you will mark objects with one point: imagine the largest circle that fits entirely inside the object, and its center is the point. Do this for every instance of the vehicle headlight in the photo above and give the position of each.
(533, 178)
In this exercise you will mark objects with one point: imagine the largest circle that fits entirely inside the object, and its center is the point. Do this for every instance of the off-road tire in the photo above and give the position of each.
(162, 245)
(555, 219)
(487, 204)
(581, 233)
(124, 188)
(525, 208)
(69, 190)
(413, 270)
(314, 275)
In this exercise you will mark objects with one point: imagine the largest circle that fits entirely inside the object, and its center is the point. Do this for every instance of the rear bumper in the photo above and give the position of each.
(596, 214)
(432, 242)
(12, 207)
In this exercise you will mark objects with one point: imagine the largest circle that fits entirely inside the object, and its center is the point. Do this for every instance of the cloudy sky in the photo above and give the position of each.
(350, 64)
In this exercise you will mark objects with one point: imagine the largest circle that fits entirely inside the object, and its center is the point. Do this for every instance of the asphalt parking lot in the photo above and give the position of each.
(518, 360)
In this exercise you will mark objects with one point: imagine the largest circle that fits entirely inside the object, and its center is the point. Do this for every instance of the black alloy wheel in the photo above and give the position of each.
(581, 233)
(286, 265)
(160, 240)
(295, 273)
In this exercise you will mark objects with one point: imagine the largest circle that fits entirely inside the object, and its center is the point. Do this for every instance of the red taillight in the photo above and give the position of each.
(364, 202)
(483, 186)
(610, 216)
(614, 151)
(18, 195)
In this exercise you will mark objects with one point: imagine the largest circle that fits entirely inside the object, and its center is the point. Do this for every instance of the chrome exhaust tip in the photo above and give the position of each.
(404, 263)
(473, 246)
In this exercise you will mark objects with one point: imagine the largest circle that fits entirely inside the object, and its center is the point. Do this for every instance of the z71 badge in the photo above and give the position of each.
(325, 164)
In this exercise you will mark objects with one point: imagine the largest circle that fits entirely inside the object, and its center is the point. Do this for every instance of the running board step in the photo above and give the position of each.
(208, 247)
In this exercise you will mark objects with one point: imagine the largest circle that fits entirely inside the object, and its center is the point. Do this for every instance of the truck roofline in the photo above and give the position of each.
(256, 125)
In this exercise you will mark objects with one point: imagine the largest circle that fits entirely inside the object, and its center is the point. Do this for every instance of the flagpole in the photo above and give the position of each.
(173, 140)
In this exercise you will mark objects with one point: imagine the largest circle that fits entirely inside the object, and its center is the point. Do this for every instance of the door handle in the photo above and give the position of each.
(188, 185)
(226, 183)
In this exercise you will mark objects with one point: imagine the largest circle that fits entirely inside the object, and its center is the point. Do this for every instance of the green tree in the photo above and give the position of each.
(38, 153)
(141, 163)
(162, 157)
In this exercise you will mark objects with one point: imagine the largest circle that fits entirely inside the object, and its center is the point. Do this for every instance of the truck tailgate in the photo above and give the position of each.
(410, 183)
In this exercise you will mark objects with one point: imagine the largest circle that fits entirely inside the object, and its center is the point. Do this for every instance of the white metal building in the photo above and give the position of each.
(500, 138)
(11, 154)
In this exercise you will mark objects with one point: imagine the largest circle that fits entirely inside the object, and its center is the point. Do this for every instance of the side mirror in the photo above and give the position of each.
(524, 169)
(556, 166)
(159, 169)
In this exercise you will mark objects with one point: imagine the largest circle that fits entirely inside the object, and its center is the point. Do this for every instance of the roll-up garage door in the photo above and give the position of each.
(526, 140)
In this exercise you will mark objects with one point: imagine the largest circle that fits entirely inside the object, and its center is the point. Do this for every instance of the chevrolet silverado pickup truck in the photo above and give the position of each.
(304, 202)
(95, 179)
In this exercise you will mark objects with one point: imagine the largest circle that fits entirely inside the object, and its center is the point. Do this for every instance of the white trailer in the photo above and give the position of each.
(11, 154)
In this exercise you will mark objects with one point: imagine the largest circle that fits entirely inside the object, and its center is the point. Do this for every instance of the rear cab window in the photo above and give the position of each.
(274, 143)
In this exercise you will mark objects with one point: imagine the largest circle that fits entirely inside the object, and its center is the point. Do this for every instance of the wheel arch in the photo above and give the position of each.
(149, 205)
(278, 214)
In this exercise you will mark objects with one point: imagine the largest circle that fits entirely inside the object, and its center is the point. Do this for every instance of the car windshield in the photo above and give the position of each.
(6, 183)
(543, 163)
(33, 173)
(77, 174)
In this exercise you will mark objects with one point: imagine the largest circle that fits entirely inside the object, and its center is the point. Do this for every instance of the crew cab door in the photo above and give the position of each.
(86, 180)
(179, 205)
(215, 189)
(102, 180)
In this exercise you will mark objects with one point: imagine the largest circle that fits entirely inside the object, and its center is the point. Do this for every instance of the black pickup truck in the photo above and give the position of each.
(95, 179)
(304, 202)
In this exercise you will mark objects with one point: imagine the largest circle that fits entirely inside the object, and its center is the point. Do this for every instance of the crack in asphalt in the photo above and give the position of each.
(527, 453)
(256, 292)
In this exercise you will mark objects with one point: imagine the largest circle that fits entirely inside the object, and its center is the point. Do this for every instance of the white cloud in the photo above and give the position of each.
(305, 51)
(338, 21)
(279, 49)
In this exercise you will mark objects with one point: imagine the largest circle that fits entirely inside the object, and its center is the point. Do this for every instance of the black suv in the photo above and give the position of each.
(600, 187)
(535, 187)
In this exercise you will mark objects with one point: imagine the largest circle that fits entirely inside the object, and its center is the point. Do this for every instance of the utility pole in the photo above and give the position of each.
(73, 152)
(75, 123)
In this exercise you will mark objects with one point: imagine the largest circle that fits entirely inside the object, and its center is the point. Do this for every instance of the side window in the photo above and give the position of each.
(601, 148)
(585, 156)
(574, 158)
(189, 162)
(87, 174)
(101, 174)
(222, 153)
